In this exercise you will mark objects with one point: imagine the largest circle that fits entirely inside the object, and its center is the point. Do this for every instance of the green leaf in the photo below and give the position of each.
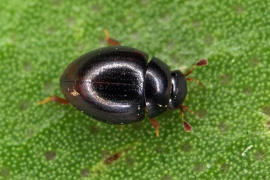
(230, 137)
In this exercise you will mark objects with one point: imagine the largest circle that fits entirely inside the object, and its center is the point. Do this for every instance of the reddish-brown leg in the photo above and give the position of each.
(187, 126)
(110, 40)
(55, 99)
(121, 127)
(112, 158)
(155, 124)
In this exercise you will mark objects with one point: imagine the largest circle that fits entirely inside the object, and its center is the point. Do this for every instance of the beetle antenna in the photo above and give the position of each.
(202, 62)
(195, 80)
(186, 125)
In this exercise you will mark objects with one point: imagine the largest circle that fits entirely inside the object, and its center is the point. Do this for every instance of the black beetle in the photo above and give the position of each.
(116, 85)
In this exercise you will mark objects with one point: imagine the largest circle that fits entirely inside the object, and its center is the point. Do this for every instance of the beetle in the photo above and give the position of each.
(118, 85)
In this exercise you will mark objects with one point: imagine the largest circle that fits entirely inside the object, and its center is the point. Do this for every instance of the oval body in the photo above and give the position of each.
(108, 84)
(116, 85)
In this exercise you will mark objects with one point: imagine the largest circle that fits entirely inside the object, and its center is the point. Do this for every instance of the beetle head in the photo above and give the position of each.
(179, 89)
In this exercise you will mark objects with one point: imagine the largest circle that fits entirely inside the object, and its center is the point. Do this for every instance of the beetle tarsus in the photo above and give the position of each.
(110, 40)
(55, 99)
(155, 124)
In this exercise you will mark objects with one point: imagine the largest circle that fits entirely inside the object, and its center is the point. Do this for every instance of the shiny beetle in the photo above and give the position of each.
(118, 85)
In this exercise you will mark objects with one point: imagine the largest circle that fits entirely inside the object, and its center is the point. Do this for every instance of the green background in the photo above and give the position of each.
(230, 137)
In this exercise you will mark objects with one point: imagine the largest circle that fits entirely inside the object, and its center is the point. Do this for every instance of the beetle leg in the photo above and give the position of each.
(112, 158)
(155, 124)
(55, 99)
(110, 40)
(186, 125)
(121, 127)
(201, 62)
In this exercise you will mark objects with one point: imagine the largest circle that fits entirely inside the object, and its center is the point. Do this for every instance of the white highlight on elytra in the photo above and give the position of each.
(95, 72)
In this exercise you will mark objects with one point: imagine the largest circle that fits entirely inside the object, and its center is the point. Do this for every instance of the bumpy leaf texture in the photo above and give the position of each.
(230, 135)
